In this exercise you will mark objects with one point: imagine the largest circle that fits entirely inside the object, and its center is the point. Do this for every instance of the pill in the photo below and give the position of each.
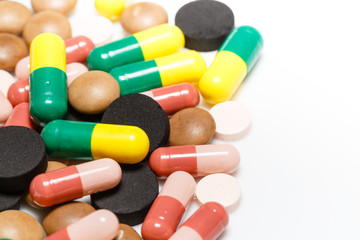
(100, 225)
(5, 108)
(12, 49)
(152, 43)
(207, 223)
(97, 28)
(22, 68)
(13, 17)
(10, 201)
(205, 24)
(74, 70)
(125, 144)
(127, 233)
(48, 85)
(232, 120)
(51, 166)
(6, 79)
(221, 188)
(168, 208)
(141, 16)
(65, 215)
(142, 76)
(200, 160)
(191, 126)
(111, 9)
(15, 224)
(23, 156)
(132, 198)
(175, 97)
(74, 182)
(64, 6)
(141, 111)
(234, 60)
(93, 92)
(47, 22)
(74, 115)
(20, 116)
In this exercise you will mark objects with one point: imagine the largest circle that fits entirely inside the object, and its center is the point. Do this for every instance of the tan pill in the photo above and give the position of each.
(47, 21)
(141, 16)
(127, 233)
(191, 126)
(12, 49)
(65, 215)
(93, 91)
(13, 17)
(63, 6)
(17, 225)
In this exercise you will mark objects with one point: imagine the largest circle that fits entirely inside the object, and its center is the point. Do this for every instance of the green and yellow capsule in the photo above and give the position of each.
(234, 60)
(151, 43)
(188, 66)
(48, 86)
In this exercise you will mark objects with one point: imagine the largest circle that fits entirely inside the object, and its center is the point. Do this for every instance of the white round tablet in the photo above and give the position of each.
(232, 120)
(221, 188)
(6, 79)
(99, 29)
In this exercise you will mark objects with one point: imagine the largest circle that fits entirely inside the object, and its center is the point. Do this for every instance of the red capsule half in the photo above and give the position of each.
(78, 49)
(20, 116)
(19, 92)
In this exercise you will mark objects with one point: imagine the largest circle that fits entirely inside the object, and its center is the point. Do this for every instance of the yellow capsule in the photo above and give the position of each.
(111, 9)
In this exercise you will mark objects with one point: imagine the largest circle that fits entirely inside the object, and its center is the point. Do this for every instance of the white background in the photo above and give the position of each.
(300, 169)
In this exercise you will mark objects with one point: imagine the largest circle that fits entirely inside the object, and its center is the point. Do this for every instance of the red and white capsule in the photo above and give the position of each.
(207, 223)
(74, 182)
(20, 116)
(101, 225)
(198, 160)
(175, 97)
(168, 208)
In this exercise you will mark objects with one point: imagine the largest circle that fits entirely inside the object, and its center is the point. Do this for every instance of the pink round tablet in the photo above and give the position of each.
(97, 28)
(221, 188)
(5, 108)
(232, 120)
(6, 79)
(73, 70)
(22, 68)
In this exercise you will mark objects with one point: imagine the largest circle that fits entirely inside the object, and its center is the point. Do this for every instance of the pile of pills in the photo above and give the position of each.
(118, 120)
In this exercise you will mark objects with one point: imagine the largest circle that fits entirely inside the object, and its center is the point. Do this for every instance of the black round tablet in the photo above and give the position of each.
(23, 156)
(141, 111)
(10, 201)
(205, 24)
(132, 198)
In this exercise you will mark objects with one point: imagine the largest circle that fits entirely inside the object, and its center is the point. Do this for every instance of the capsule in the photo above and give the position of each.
(48, 86)
(87, 140)
(19, 92)
(176, 97)
(168, 208)
(151, 43)
(20, 116)
(5, 108)
(76, 181)
(235, 59)
(198, 160)
(142, 76)
(100, 225)
(111, 9)
(207, 223)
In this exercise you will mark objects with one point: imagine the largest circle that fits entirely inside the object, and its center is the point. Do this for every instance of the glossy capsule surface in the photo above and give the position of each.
(177, 68)
(151, 43)
(175, 97)
(76, 181)
(234, 60)
(18, 92)
(198, 160)
(78, 49)
(100, 225)
(168, 208)
(48, 85)
(207, 223)
(87, 140)
(20, 116)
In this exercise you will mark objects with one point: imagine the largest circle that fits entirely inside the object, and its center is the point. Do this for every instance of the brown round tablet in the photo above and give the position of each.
(47, 21)
(191, 126)
(65, 215)
(93, 91)
(127, 233)
(15, 224)
(140, 16)
(12, 49)
(52, 165)
(62, 6)
(13, 17)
